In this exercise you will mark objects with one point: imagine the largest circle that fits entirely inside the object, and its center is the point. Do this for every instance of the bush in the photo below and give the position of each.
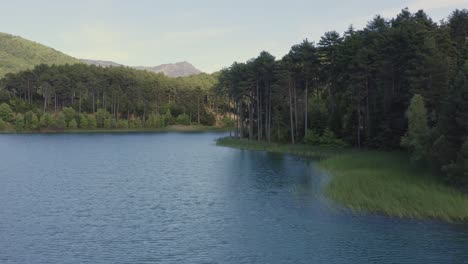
(2, 124)
(27, 120)
(45, 121)
(83, 121)
(131, 124)
(19, 125)
(59, 121)
(72, 124)
(183, 119)
(122, 123)
(138, 123)
(417, 137)
(34, 122)
(328, 138)
(154, 121)
(168, 118)
(6, 114)
(69, 113)
(107, 123)
(101, 116)
(312, 138)
(92, 122)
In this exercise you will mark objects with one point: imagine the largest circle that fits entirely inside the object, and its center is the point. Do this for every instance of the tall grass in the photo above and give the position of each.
(377, 182)
(388, 183)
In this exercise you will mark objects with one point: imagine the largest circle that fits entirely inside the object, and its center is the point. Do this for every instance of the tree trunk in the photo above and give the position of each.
(359, 123)
(250, 118)
(295, 108)
(79, 104)
(259, 116)
(198, 110)
(291, 110)
(241, 115)
(306, 107)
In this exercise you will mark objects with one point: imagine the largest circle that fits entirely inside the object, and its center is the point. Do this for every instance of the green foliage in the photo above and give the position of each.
(27, 120)
(6, 113)
(72, 124)
(138, 123)
(46, 120)
(417, 137)
(312, 138)
(34, 122)
(457, 171)
(19, 54)
(154, 121)
(183, 119)
(327, 138)
(228, 122)
(387, 183)
(168, 118)
(69, 113)
(2, 124)
(19, 123)
(122, 124)
(101, 116)
(107, 123)
(59, 121)
(83, 121)
(92, 124)
(131, 124)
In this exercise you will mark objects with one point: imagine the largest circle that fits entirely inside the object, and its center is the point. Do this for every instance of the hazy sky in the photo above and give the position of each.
(208, 33)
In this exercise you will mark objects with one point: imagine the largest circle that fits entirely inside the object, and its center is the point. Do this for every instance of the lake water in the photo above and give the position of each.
(178, 198)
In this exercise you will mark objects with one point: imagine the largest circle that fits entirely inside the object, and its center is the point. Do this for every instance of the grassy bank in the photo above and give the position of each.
(378, 182)
(174, 128)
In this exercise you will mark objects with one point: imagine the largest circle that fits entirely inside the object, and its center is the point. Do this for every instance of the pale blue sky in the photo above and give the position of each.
(210, 34)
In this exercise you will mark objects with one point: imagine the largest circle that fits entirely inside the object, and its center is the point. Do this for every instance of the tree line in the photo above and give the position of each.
(116, 97)
(356, 89)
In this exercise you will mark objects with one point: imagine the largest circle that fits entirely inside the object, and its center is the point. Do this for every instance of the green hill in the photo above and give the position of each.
(18, 54)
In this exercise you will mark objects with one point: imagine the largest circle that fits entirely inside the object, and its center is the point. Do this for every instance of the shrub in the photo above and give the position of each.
(122, 123)
(60, 121)
(72, 124)
(69, 113)
(328, 138)
(83, 121)
(92, 122)
(183, 119)
(138, 123)
(107, 123)
(34, 122)
(101, 116)
(2, 124)
(46, 120)
(19, 125)
(312, 138)
(6, 114)
(168, 118)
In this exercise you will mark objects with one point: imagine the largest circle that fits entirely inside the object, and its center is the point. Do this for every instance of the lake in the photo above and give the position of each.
(179, 198)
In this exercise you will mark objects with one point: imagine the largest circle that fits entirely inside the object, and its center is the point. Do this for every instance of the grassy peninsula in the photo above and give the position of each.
(376, 181)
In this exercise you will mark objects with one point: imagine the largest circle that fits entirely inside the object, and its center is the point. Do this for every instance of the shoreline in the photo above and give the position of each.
(174, 128)
(377, 182)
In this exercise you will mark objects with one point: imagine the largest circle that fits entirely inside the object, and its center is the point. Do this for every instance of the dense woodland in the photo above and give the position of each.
(117, 97)
(396, 83)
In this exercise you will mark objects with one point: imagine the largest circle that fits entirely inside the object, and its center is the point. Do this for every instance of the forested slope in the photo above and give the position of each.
(18, 54)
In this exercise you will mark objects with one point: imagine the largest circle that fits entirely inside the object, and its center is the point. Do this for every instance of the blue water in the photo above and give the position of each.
(178, 198)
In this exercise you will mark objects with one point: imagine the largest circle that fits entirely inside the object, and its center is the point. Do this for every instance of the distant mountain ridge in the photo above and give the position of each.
(179, 69)
(19, 54)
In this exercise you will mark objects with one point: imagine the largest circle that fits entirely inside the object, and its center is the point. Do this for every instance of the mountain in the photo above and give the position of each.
(178, 69)
(19, 54)
(101, 63)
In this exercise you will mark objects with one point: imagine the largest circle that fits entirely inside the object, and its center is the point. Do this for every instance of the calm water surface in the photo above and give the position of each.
(178, 198)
